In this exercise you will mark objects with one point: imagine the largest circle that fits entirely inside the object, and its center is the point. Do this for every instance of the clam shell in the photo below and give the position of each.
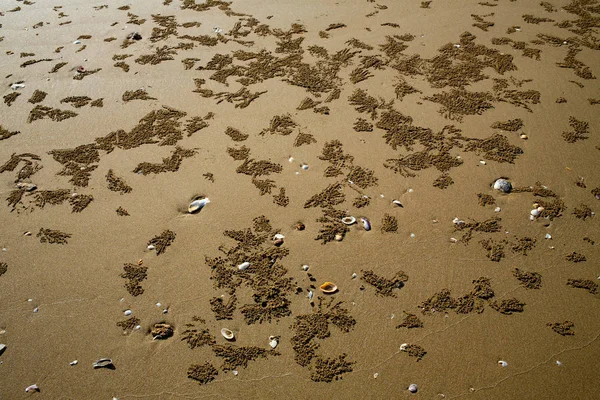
(227, 334)
(397, 203)
(535, 212)
(243, 266)
(103, 363)
(328, 288)
(413, 388)
(349, 220)
(366, 224)
(503, 185)
(197, 205)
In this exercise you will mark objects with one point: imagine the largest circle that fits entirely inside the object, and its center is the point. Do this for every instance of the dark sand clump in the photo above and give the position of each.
(117, 184)
(134, 274)
(564, 328)
(586, 284)
(410, 321)
(202, 373)
(415, 351)
(3, 268)
(129, 324)
(53, 236)
(222, 309)
(384, 286)
(162, 241)
(575, 257)
(239, 356)
(530, 280)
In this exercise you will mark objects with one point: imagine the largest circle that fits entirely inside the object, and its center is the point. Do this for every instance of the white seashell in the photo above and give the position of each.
(103, 363)
(16, 86)
(558, 363)
(412, 235)
(77, 42)
(410, 190)
(158, 304)
(305, 268)
(376, 375)
(349, 220)
(28, 187)
(304, 166)
(74, 362)
(291, 159)
(234, 372)
(338, 237)
(397, 202)
(243, 266)
(366, 224)
(197, 205)
(273, 342)
(32, 388)
(503, 185)
(310, 294)
(540, 209)
(453, 240)
(227, 334)
(127, 313)
(457, 46)
(482, 162)
(497, 209)
(403, 346)
(535, 212)
(413, 388)
(523, 136)
(151, 247)
(548, 236)
(278, 236)
(502, 363)
(166, 311)
(354, 276)
(2, 348)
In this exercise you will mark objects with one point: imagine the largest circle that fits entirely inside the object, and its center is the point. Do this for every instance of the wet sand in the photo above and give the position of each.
(283, 114)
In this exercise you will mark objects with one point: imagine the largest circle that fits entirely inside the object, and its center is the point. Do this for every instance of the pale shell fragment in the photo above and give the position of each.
(304, 167)
(273, 342)
(278, 236)
(234, 372)
(310, 295)
(74, 362)
(482, 162)
(339, 237)
(32, 388)
(558, 363)
(227, 334)
(103, 363)
(502, 363)
(403, 346)
(535, 212)
(151, 247)
(243, 266)
(497, 209)
(305, 267)
(397, 202)
(349, 220)
(413, 388)
(197, 205)
(2, 348)
(548, 236)
(127, 313)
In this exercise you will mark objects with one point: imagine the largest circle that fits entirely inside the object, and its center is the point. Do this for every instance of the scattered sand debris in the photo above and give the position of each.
(389, 224)
(564, 328)
(161, 331)
(239, 153)
(414, 350)
(169, 164)
(53, 236)
(575, 257)
(37, 97)
(490, 225)
(139, 94)
(236, 135)
(486, 200)
(221, 309)
(129, 324)
(123, 65)
(121, 212)
(41, 112)
(202, 373)
(162, 241)
(580, 131)
(383, 286)
(494, 248)
(164, 53)
(57, 67)
(52, 197)
(368, 104)
(309, 327)
(332, 195)
(530, 280)
(508, 306)
(280, 125)
(31, 62)
(134, 274)
(410, 321)
(256, 168)
(10, 98)
(307, 103)
(512, 125)
(587, 284)
(81, 75)
(197, 337)
(326, 370)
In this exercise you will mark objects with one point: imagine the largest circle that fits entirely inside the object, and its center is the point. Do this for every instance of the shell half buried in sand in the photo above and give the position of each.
(227, 334)
(329, 288)
(103, 363)
(197, 205)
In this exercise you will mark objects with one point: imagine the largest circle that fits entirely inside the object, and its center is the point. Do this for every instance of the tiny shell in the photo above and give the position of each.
(535, 212)
(27, 233)
(339, 237)
(503, 185)
(243, 266)
(227, 334)
(366, 224)
(273, 342)
(127, 313)
(32, 388)
(328, 288)
(2, 348)
(354, 275)
(234, 372)
(497, 209)
(502, 363)
(523, 136)
(548, 236)
(304, 166)
(103, 363)
(197, 205)
(74, 362)
(349, 220)
(305, 267)
(397, 202)
(413, 388)
(278, 236)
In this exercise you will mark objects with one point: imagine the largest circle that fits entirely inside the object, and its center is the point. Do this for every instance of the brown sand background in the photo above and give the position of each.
(78, 289)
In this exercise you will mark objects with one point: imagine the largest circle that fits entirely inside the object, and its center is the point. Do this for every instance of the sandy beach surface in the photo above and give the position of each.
(342, 157)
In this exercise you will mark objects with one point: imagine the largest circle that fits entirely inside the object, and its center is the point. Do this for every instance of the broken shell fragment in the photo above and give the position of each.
(502, 185)
(73, 363)
(397, 203)
(413, 388)
(366, 224)
(243, 266)
(502, 363)
(227, 334)
(338, 237)
(197, 205)
(103, 363)
(32, 388)
(349, 220)
(328, 288)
